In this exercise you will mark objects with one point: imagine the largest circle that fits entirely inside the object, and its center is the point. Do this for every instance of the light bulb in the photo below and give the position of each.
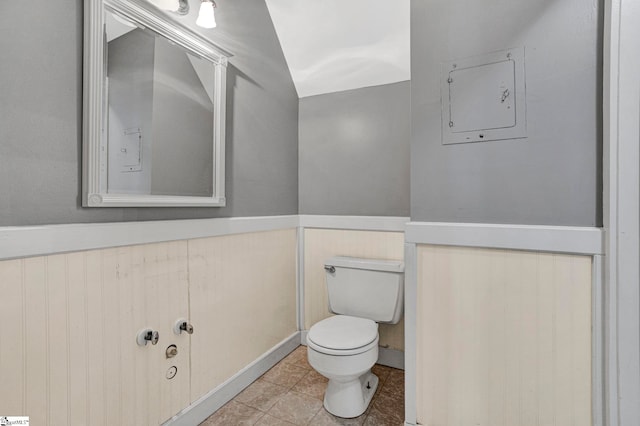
(206, 17)
(170, 5)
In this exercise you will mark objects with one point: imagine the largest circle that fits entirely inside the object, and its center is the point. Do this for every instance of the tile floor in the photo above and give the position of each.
(291, 394)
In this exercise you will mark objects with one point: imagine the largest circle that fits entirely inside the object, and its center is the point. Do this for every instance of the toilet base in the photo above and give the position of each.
(351, 398)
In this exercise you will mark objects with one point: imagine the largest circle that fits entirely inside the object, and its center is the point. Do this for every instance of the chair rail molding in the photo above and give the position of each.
(555, 239)
(25, 241)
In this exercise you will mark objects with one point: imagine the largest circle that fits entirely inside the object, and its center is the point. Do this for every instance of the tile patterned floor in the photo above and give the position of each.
(291, 394)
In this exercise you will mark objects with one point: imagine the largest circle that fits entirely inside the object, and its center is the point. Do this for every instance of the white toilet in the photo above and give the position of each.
(344, 347)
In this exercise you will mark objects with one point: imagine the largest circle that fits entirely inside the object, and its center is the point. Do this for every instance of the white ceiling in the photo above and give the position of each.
(335, 45)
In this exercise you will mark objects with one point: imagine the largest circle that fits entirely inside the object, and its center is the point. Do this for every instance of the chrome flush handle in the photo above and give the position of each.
(330, 269)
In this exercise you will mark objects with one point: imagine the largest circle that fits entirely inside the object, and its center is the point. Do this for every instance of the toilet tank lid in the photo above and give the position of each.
(361, 263)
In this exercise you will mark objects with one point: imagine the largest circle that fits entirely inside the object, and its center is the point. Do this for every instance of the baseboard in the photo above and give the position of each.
(389, 357)
(212, 401)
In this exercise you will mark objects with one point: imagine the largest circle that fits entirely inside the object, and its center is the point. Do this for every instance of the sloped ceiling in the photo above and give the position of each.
(335, 45)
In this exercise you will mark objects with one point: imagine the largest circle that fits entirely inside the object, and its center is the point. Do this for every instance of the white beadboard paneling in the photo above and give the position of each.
(79, 339)
(321, 244)
(96, 365)
(67, 336)
(12, 338)
(503, 337)
(150, 287)
(111, 330)
(242, 300)
(58, 343)
(36, 338)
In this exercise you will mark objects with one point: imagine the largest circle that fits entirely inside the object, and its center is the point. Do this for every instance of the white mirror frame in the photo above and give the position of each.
(94, 153)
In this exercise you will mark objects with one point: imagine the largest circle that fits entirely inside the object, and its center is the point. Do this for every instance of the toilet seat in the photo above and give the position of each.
(343, 335)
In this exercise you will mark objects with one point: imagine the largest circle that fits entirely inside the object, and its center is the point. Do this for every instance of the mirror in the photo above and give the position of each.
(154, 99)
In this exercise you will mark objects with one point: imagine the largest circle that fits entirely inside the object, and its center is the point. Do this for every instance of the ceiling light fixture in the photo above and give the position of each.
(206, 17)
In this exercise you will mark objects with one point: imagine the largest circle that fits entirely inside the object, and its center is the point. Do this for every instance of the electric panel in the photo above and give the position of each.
(483, 98)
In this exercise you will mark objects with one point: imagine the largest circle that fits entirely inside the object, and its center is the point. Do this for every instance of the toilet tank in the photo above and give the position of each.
(366, 288)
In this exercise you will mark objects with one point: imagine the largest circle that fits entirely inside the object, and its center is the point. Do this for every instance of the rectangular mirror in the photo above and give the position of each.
(154, 99)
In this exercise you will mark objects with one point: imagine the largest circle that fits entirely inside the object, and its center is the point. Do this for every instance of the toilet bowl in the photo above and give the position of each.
(343, 349)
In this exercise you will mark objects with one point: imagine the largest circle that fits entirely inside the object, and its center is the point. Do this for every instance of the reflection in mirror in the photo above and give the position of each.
(154, 104)
(160, 114)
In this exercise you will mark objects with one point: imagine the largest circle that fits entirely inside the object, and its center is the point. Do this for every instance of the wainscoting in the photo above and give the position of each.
(503, 337)
(507, 329)
(74, 298)
(68, 325)
(243, 296)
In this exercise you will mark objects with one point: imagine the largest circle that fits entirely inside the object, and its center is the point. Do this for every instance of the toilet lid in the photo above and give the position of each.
(343, 332)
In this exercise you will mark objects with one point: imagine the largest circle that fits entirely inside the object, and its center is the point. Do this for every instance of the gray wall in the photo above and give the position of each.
(41, 118)
(554, 176)
(130, 66)
(354, 152)
(182, 163)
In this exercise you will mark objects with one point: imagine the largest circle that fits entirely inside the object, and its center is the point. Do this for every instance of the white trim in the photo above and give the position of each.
(97, 199)
(391, 357)
(410, 333)
(300, 310)
(27, 241)
(363, 223)
(621, 211)
(219, 132)
(558, 239)
(92, 94)
(197, 412)
(610, 71)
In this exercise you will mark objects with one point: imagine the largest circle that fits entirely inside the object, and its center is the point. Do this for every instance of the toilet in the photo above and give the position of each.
(344, 347)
